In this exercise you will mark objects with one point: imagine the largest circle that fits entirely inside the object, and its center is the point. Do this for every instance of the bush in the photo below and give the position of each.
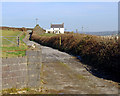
(94, 50)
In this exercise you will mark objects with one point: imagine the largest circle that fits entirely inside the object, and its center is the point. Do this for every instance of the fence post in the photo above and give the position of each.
(60, 40)
(18, 41)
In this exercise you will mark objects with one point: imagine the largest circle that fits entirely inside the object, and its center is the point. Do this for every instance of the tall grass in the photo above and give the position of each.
(94, 50)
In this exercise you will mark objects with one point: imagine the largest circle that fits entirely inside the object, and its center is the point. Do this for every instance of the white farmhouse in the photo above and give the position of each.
(56, 28)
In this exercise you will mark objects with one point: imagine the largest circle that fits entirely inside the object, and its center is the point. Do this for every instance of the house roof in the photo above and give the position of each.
(57, 25)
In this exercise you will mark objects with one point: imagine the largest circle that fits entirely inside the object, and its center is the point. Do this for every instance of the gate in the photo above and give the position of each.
(15, 43)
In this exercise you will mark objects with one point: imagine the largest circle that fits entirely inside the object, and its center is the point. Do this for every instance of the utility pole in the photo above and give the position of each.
(82, 28)
(65, 29)
(76, 30)
(36, 20)
(87, 29)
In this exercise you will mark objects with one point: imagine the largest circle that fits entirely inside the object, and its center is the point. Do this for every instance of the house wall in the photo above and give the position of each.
(49, 30)
(62, 30)
(56, 29)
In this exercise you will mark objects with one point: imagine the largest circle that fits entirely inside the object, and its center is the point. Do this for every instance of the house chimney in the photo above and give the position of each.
(63, 25)
(51, 25)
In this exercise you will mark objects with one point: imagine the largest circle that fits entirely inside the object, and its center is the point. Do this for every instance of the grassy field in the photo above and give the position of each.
(13, 39)
(10, 49)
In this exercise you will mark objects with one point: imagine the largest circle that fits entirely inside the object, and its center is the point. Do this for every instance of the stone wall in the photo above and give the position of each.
(33, 67)
(19, 72)
(0, 74)
(14, 72)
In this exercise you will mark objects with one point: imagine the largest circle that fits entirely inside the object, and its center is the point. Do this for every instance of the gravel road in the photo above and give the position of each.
(64, 74)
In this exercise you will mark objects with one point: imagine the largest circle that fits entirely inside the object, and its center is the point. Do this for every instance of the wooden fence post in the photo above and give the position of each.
(18, 41)
(60, 40)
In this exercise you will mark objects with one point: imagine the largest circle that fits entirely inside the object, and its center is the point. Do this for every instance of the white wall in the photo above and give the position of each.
(48, 30)
(56, 29)
(62, 30)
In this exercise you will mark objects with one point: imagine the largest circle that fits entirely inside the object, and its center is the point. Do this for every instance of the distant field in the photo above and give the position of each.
(9, 47)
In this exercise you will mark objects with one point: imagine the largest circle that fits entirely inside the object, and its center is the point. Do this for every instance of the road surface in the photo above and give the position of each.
(64, 74)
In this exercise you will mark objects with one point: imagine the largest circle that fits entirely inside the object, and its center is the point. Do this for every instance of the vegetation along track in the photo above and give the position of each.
(64, 74)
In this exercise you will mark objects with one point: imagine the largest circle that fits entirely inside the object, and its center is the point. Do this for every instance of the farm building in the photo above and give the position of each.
(38, 30)
(56, 28)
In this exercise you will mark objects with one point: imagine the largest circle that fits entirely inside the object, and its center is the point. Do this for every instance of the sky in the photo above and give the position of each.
(92, 16)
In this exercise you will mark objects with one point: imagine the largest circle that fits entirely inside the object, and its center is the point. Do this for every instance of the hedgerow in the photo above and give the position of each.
(94, 50)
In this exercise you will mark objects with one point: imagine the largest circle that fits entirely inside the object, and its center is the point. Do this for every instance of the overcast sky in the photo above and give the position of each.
(93, 16)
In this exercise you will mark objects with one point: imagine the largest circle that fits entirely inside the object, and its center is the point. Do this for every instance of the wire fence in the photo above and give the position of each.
(13, 45)
(8, 39)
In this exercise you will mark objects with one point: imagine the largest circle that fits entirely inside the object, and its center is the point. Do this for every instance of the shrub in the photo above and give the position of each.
(94, 50)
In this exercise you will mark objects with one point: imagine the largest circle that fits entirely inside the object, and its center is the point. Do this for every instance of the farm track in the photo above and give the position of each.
(64, 74)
